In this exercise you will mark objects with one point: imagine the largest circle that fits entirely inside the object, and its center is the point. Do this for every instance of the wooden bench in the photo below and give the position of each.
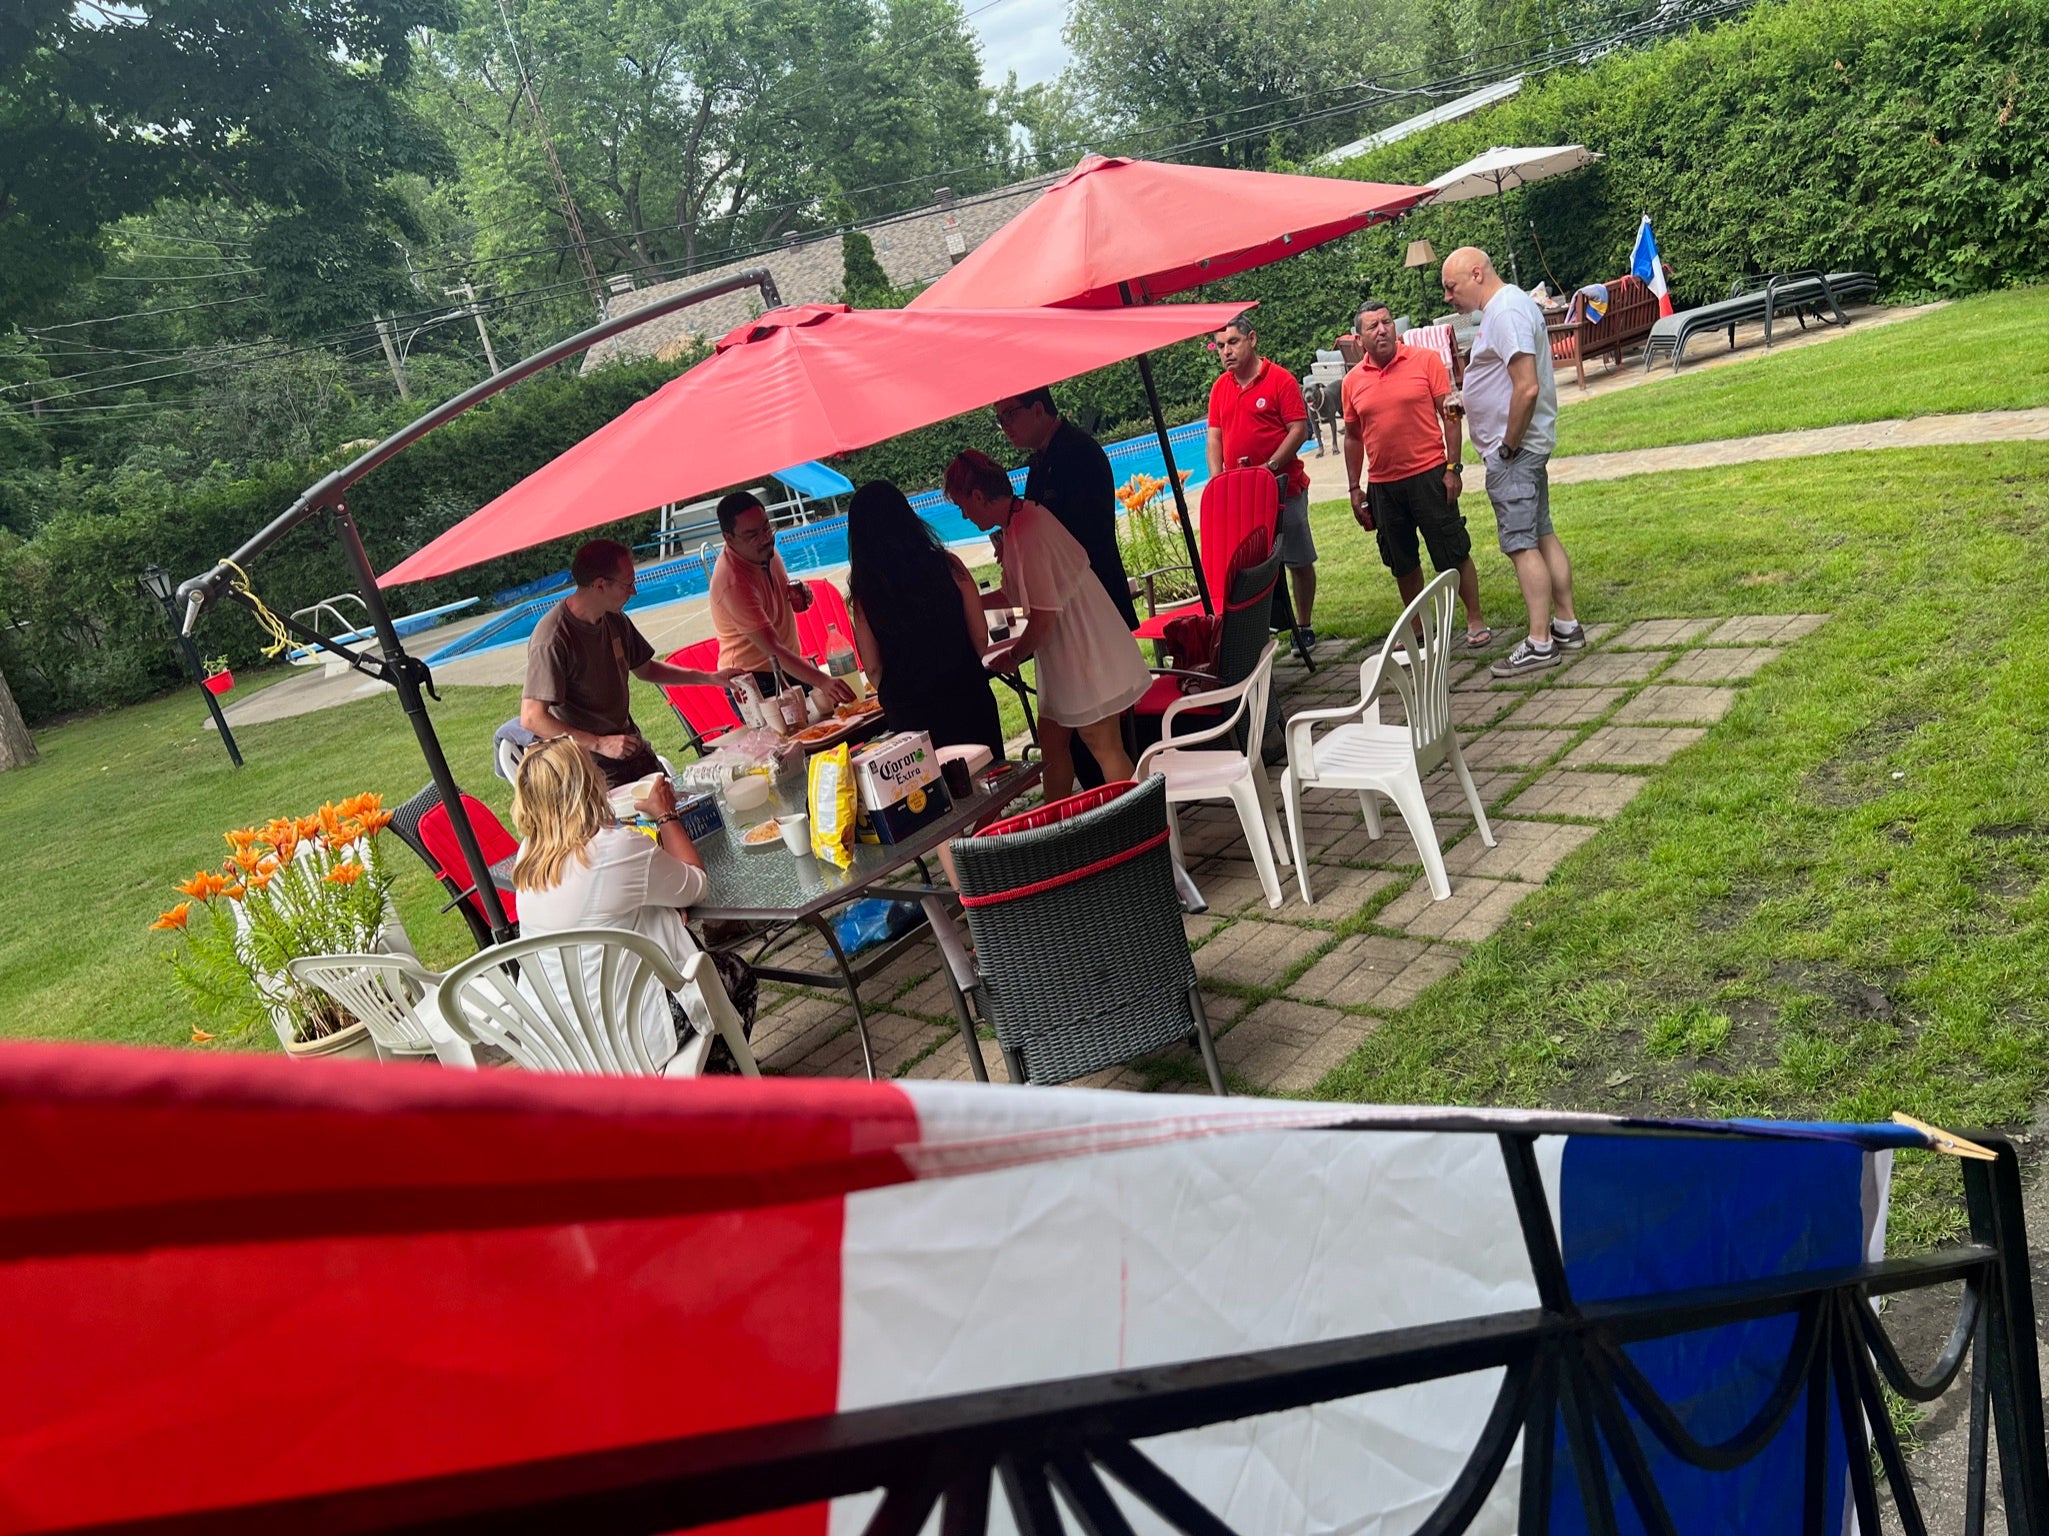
(1632, 311)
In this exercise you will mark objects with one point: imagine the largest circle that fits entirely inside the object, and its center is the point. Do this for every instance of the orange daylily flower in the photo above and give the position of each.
(200, 1037)
(248, 861)
(375, 820)
(177, 917)
(258, 881)
(242, 838)
(332, 828)
(346, 873)
(204, 885)
(233, 892)
(308, 827)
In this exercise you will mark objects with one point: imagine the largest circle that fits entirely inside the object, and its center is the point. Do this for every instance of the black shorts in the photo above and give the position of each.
(1403, 508)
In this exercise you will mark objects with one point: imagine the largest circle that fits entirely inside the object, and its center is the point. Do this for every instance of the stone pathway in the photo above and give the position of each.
(1910, 432)
(1291, 991)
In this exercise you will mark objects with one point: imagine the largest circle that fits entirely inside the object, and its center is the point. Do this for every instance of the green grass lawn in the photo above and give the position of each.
(1979, 354)
(1833, 905)
(123, 804)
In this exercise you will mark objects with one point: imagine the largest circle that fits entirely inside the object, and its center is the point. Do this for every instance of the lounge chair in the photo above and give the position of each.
(1783, 293)
(1234, 504)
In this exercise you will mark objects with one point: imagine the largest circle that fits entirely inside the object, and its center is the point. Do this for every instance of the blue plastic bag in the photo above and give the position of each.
(864, 924)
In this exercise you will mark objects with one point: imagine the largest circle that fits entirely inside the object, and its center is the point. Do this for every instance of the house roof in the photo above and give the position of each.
(911, 248)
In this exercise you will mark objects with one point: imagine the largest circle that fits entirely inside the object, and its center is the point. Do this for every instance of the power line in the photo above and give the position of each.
(176, 309)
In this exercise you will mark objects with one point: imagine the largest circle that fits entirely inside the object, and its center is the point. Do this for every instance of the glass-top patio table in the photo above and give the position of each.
(775, 890)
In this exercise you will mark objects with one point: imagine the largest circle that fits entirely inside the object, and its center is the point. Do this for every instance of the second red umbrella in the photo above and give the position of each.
(1114, 232)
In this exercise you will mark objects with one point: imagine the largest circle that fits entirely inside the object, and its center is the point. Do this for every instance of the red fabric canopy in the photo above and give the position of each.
(797, 384)
(1161, 228)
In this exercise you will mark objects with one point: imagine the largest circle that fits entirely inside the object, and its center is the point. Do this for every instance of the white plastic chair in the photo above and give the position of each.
(534, 999)
(1225, 773)
(395, 997)
(1390, 760)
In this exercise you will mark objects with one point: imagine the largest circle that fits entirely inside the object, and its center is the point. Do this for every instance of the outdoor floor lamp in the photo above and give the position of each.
(161, 585)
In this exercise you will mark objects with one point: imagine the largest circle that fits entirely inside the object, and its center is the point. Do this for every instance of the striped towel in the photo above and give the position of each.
(1439, 339)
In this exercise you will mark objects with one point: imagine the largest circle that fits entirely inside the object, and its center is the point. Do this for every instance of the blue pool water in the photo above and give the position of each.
(819, 546)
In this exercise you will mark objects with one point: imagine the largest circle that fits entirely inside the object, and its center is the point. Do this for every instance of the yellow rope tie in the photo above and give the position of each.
(280, 637)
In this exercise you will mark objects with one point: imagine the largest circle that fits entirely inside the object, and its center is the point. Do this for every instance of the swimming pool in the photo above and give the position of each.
(819, 546)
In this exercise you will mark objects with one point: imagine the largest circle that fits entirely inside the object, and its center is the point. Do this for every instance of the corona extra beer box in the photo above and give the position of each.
(899, 783)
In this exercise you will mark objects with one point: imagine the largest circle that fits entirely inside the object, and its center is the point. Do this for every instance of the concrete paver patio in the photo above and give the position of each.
(1291, 991)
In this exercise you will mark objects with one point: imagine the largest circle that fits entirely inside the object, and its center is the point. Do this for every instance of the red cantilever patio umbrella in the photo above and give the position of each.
(1115, 232)
(798, 384)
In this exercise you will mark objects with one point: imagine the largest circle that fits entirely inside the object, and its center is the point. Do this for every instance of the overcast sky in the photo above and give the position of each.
(1023, 35)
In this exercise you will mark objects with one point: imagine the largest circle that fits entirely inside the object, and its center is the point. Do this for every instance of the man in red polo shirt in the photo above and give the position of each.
(1401, 436)
(1257, 416)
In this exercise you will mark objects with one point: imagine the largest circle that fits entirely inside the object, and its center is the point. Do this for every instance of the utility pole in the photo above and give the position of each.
(398, 369)
(470, 294)
(569, 213)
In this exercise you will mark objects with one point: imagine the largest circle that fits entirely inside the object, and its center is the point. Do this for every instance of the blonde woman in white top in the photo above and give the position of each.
(1090, 670)
(578, 867)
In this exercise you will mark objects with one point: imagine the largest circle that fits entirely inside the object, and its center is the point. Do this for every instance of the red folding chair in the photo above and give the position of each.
(826, 617)
(1236, 505)
(437, 833)
(703, 708)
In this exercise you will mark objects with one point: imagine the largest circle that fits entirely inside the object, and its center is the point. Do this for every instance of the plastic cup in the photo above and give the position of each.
(796, 830)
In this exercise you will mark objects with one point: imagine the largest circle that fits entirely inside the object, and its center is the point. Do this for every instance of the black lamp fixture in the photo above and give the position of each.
(157, 582)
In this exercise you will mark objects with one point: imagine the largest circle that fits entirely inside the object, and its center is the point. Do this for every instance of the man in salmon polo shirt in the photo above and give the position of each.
(754, 604)
(1404, 442)
(1257, 417)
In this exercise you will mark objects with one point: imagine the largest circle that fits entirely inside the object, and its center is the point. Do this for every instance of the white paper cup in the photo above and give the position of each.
(796, 832)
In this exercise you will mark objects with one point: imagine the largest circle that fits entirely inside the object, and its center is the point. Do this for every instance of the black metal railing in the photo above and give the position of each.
(1052, 1450)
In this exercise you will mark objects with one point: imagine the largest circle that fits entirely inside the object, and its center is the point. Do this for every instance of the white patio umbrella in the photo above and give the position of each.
(1500, 169)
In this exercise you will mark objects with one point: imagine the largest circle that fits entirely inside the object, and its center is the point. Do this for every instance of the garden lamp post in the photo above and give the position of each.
(1421, 254)
(158, 583)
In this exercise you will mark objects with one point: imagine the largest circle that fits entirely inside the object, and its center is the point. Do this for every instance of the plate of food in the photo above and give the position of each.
(758, 839)
(822, 731)
(858, 709)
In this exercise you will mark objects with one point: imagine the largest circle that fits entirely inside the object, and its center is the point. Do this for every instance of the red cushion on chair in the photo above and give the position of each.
(703, 707)
(1059, 810)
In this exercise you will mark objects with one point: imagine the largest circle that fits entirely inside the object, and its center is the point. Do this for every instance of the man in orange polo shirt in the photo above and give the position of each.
(1401, 437)
(1257, 416)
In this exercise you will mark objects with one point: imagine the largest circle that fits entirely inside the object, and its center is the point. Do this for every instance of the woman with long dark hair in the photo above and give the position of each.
(918, 620)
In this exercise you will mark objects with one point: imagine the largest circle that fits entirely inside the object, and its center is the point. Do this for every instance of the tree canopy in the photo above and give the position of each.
(288, 106)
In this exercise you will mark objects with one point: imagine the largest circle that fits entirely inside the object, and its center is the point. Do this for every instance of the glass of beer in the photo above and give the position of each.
(1455, 404)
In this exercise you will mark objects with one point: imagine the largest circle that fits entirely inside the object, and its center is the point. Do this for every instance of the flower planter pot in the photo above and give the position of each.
(354, 1042)
(218, 682)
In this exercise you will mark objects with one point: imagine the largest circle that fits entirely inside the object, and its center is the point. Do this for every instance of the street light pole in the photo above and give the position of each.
(157, 583)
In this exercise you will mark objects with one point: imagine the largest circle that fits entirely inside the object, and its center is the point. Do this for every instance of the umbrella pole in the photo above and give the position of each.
(1508, 233)
(1152, 398)
(403, 672)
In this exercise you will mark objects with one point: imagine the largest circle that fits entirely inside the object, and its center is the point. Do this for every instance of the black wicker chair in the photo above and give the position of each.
(1081, 960)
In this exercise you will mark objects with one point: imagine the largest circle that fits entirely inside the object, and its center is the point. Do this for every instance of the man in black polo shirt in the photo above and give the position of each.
(1071, 478)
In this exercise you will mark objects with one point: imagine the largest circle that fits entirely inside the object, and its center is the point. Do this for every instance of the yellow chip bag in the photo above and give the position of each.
(832, 805)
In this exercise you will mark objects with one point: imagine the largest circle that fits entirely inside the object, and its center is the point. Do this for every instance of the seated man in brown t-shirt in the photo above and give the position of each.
(578, 659)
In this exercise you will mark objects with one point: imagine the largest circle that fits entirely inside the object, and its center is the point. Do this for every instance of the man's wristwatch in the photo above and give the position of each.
(1457, 469)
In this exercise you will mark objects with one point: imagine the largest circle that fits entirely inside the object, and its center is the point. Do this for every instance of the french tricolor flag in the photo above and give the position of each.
(250, 1281)
(1643, 261)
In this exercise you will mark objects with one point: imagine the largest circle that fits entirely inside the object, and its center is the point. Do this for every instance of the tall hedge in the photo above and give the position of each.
(74, 631)
(1902, 137)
